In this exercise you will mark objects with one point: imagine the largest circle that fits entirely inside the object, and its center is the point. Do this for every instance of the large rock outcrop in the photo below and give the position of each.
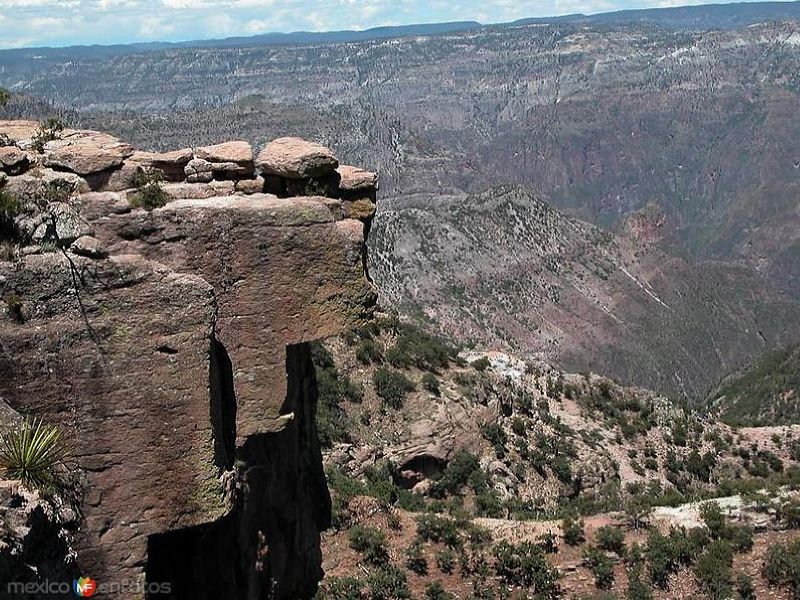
(172, 346)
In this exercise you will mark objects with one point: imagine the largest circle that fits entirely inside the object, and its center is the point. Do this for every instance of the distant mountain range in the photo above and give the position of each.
(709, 16)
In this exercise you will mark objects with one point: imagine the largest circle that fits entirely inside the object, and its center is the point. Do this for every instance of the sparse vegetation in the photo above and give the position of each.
(392, 386)
(149, 193)
(370, 543)
(32, 452)
(49, 130)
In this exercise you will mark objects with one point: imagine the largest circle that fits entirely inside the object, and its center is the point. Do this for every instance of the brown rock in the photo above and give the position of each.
(228, 152)
(353, 179)
(119, 360)
(18, 131)
(197, 191)
(295, 158)
(251, 186)
(86, 152)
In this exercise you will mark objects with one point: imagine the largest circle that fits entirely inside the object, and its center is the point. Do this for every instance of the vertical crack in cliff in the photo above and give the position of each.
(268, 546)
(223, 406)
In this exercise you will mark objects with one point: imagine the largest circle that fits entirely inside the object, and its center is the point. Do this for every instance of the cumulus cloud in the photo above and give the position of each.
(65, 22)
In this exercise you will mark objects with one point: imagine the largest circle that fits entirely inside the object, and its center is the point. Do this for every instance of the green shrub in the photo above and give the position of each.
(601, 566)
(611, 539)
(446, 561)
(435, 591)
(456, 475)
(548, 542)
(525, 565)
(388, 583)
(415, 559)
(10, 209)
(436, 528)
(431, 383)
(782, 566)
(340, 588)
(481, 364)
(415, 347)
(573, 531)
(48, 131)
(370, 543)
(14, 307)
(149, 195)
(788, 513)
(369, 351)
(32, 452)
(5, 96)
(713, 570)
(392, 386)
(744, 587)
(638, 510)
(333, 424)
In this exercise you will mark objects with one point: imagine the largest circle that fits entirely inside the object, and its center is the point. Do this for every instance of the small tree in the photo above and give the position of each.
(573, 531)
(5, 96)
(638, 511)
(611, 539)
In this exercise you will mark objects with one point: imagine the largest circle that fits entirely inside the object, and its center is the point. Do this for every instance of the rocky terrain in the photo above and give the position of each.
(763, 393)
(504, 269)
(443, 464)
(675, 137)
(158, 309)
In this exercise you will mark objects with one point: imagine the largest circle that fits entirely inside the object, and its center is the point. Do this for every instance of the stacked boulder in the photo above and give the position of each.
(54, 172)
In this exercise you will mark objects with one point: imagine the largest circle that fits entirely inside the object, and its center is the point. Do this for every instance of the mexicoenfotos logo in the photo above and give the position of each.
(84, 587)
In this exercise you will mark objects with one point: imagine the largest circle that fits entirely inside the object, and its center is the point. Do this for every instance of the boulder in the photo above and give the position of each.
(89, 247)
(13, 160)
(355, 179)
(38, 182)
(251, 186)
(199, 170)
(86, 152)
(58, 222)
(295, 158)
(198, 191)
(228, 152)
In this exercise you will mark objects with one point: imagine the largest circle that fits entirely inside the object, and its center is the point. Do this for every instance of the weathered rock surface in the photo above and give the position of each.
(227, 152)
(86, 152)
(12, 159)
(116, 353)
(89, 247)
(199, 170)
(356, 179)
(186, 354)
(295, 158)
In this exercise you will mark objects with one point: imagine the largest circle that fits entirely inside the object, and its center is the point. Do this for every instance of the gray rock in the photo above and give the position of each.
(89, 247)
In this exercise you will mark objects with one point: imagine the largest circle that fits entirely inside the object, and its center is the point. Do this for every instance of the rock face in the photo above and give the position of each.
(172, 347)
(84, 152)
(296, 159)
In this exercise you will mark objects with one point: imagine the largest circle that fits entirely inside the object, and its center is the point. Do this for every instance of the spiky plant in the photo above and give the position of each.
(31, 452)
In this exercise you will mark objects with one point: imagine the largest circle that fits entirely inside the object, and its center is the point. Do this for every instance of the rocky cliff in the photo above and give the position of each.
(171, 344)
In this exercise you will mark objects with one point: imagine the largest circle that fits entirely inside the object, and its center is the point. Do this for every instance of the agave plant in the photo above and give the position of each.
(31, 452)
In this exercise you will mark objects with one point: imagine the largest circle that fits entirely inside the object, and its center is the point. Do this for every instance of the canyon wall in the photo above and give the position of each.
(171, 345)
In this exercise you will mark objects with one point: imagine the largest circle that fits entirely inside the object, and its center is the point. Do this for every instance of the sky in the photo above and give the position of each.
(67, 22)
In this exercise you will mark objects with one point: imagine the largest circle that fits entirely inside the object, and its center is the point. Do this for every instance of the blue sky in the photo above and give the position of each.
(66, 22)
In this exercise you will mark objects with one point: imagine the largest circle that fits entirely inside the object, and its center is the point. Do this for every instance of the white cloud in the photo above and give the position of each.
(154, 28)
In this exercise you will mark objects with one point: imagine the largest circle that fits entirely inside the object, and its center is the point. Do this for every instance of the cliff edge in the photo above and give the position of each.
(158, 308)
